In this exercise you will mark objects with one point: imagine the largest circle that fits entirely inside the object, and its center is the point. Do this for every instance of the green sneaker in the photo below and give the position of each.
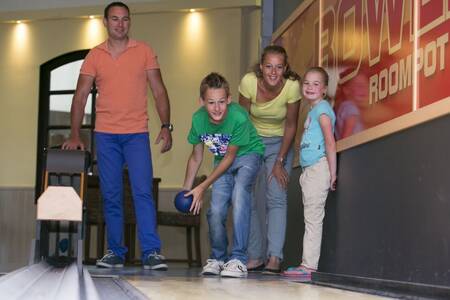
(155, 261)
(110, 260)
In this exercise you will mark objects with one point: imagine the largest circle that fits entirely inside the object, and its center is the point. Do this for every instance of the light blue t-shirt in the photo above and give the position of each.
(312, 147)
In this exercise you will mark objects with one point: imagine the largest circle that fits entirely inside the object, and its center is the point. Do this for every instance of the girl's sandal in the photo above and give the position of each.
(299, 271)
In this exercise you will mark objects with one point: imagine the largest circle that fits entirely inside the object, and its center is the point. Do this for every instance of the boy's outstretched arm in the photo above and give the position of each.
(330, 147)
(194, 162)
(199, 190)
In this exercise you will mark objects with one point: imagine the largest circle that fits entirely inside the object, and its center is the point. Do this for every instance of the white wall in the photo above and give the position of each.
(188, 45)
(226, 40)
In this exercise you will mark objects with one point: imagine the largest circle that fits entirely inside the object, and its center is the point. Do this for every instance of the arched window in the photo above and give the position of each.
(58, 79)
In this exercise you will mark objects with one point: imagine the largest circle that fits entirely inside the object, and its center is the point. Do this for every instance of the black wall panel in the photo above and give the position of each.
(390, 216)
(282, 10)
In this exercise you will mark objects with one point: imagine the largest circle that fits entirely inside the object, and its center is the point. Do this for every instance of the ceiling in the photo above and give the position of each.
(17, 5)
(11, 10)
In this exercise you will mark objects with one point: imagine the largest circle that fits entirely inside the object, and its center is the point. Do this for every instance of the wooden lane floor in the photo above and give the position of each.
(185, 283)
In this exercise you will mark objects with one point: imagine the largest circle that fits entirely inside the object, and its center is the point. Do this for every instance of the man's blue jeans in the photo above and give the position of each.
(113, 152)
(234, 188)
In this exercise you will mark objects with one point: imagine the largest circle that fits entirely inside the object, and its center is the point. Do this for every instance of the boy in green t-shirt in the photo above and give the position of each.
(225, 128)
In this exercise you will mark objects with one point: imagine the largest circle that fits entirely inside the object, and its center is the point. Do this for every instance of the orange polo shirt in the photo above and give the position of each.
(121, 105)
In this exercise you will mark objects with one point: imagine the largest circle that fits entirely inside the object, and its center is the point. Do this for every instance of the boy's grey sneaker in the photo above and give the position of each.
(110, 260)
(234, 268)
(212, 267)
(155, 261)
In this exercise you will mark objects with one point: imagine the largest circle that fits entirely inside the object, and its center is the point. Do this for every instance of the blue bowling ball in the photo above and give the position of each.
(182, 203)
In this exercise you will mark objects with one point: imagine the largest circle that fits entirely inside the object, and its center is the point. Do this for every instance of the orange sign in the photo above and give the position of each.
(369, 49)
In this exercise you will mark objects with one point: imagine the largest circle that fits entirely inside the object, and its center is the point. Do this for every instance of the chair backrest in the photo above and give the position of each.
(94, 201)
(198, 180)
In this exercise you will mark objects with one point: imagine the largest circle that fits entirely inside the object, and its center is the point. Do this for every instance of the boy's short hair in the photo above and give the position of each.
(214, 81)
(113, 4)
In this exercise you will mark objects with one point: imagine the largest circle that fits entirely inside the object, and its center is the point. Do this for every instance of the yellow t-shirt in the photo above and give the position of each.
(268, 117)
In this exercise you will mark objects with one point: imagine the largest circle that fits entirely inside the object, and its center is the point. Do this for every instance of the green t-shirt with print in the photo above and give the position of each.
(236, 129)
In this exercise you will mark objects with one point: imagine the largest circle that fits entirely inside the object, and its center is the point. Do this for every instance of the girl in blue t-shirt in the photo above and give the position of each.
(318, 162)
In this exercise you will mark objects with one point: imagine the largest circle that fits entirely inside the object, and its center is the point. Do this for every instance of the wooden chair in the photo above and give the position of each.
(190, 222)
(130, 217)
(95, 218)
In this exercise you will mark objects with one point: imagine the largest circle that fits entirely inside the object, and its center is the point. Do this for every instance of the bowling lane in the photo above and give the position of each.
(183, 283)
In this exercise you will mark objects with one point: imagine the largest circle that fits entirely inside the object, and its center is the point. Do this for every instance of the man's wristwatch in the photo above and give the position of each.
(168, 126)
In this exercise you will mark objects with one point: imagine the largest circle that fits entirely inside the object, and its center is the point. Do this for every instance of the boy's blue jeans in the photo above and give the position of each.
(234, 188)
(113, 152)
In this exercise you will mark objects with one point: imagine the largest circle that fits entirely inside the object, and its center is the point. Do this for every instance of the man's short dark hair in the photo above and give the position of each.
(113, 4)
(214, 81)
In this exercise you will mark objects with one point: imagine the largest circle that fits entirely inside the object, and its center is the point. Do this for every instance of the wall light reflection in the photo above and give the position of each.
(20, 36)
(93, 33)
(18, 51)
(194, 27)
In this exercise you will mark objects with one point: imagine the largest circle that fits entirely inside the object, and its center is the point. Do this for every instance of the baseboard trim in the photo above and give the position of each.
(381, 287)
(17, 188)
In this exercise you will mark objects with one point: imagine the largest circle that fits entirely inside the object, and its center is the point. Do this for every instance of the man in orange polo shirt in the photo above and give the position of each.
(121, 69)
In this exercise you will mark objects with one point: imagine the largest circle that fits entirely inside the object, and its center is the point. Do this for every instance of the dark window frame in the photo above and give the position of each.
(44, 110)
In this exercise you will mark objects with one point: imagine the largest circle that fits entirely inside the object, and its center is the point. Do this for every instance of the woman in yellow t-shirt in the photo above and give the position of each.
(271, 95)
